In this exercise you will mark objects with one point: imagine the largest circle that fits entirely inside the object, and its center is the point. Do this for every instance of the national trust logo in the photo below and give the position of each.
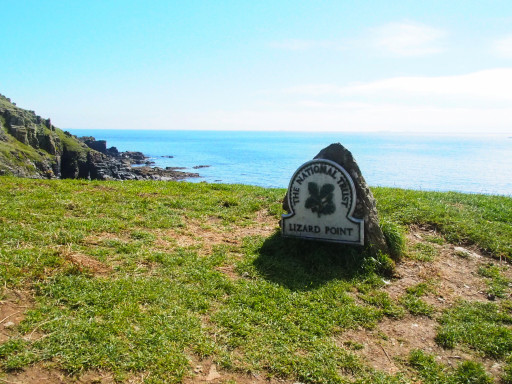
(322, 198)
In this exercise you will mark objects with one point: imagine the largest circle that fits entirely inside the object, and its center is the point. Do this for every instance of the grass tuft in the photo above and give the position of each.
(432, 372)
(498, 285)
(395, 238)
(414, 304)
(482, 326)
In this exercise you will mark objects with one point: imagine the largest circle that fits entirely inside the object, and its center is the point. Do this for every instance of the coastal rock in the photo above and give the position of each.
(20, 133)
(133, 157)
(97, 145)
(156, 173)
(112, 151)
(3, 134)
(53, 153)
(47, 142)
(366, 207)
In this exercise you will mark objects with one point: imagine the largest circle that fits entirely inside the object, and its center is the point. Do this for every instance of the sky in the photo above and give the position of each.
(364, 66)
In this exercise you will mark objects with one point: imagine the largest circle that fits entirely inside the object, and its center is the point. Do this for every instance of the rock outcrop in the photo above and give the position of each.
(30, 146)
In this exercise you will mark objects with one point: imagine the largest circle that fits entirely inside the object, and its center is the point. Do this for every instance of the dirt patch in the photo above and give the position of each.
(453, 277)
(85, 263)
(207, 371)
(101, 238)
(229, 271)
(39, 373)
(210, 232)
(387, 347)
(13, 307)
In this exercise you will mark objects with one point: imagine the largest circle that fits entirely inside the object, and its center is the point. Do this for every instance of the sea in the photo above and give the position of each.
(461, 163)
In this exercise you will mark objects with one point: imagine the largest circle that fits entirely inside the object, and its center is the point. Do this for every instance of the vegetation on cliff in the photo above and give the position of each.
(30, 146)
(176, 282)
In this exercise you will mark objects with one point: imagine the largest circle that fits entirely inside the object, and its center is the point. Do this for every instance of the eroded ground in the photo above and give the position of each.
(451, 272)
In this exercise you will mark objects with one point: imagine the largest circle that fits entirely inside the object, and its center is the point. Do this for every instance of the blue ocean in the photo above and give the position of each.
(473, 164)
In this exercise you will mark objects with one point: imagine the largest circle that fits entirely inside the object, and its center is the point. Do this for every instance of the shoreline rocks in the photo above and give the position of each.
(35, 148)
(115, 165)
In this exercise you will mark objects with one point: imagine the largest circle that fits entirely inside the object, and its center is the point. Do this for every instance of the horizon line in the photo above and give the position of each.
(445, 132)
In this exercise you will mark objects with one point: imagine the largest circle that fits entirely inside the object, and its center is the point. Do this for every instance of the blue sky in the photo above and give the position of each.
(416, 66)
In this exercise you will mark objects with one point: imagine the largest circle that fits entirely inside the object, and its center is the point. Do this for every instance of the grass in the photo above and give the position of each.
(461, 218)
(412, 300)
(423, 252)
(151, 277)
(482, 326)
(497, 284)
(433, 372)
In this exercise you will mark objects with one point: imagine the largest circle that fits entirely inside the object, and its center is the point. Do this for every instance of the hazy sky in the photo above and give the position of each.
(442, 66)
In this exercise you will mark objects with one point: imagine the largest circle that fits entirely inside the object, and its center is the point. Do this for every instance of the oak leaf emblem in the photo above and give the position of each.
(320, 199)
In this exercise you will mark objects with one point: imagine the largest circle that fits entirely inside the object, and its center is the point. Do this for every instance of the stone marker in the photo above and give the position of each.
(322, 198)
(329, 200)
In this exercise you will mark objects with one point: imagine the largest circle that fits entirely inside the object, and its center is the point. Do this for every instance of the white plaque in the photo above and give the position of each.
(322, 198)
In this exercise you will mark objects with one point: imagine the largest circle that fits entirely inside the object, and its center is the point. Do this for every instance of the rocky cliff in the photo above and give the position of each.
(30, 146)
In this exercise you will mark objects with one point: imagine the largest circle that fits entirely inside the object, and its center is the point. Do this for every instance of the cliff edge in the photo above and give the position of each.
(31, 146)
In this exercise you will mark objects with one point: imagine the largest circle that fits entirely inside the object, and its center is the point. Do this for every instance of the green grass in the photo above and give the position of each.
(482, 326)
(460, 218)
(498, 285)
(414, 304)
(433, 372)
(382, 300)
(252, 301)
(423, 252)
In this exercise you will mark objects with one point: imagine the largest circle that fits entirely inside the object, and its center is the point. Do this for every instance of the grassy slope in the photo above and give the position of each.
(463, 218)
(14, 154)
(123, 271)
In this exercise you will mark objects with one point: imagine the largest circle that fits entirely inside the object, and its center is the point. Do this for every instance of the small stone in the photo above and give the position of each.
(213, 374)
(414, 325)
(198, 369)
(462, 252)
(9, 324)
